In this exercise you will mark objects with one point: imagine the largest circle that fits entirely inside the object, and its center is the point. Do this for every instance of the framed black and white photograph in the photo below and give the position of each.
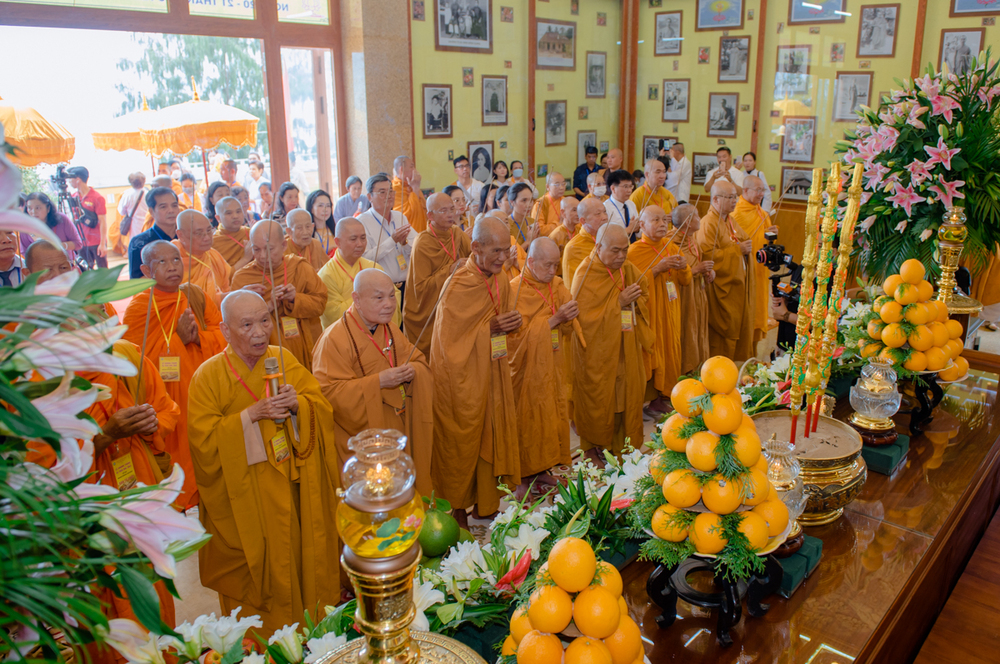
(799, 142)
(792, 73)
(668, 33)
(715, 15)
(437, 110)
(555, 122)
(973, 8)
(877, 31)
(651, 146)
(959, 47)
(465, 26)
(723, 108)
(584, 139)
(701, 164)
(795, 183)
(851, 90)
(807, 12)
(676, 103)
(555, 44)
(481, 159)
(494, 100)
(597, 66)
(734, 56)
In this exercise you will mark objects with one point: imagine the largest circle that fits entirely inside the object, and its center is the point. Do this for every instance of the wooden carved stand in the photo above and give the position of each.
(920, 413)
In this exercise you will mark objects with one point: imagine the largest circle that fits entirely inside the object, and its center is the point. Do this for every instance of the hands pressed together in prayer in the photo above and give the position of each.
(399, 235)
(395, 377)
(564, 314)
(675, 262)
(187, 328)
(512, 261)
(260, 290)
(132, 421)
(285, 293)
(629, 295)
(276, 407)
(705, 267)
(505, 323)
(459, 263)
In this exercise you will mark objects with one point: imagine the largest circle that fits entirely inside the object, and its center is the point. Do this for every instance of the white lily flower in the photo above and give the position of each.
(191, 642)
(425, 595)
(537, 518)
(327, 643)
(52, 352)
(289, 642)
(254, 658)
(134, 643)
(61, 407)
(526, 538)
(465, 563)
(220, 635)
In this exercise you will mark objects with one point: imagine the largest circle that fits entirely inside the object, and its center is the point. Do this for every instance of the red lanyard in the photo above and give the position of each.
(233, 238)
(114, 408)
(615, 281)
(454, 252)
(237, 376)
(382, 351)
(496, 303)
(341, 266)
(284, 267)
(548, 301)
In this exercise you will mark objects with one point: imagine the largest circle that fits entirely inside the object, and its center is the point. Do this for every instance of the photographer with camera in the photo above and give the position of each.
(784, 295)
(93, 220)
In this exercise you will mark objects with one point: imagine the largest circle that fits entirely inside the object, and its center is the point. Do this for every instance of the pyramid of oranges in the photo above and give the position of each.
(912, 329)
(573, 589)
(711, 469)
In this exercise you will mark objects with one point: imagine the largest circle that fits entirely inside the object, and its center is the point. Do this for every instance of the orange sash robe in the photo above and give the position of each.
(522, 256)
(210, 271)
(302, 327)
(546, 214)
(231, 246)
(754, 221)
(663, 363)
(411, 203)
(163, 341)
(347, 362)
(643, 198)
(313, 253)
(561, 236)
(730, 296)
(431, 260)
(575, 251)
(694, 310)
(475, 421)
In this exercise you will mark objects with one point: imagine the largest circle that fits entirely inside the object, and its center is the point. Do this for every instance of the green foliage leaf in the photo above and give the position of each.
(235, 654)
(144, 600)
(388, 528)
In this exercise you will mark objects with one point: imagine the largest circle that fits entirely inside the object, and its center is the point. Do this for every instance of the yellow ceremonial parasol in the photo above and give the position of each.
(793, 107)
(35, 139)
(122, 133)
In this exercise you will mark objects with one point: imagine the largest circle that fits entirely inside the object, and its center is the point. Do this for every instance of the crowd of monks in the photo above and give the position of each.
(543, 315)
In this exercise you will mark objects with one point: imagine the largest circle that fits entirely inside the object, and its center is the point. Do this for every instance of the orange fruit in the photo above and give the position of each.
(953, 348)
(963, 363)
(654, 467)
(888, 356)
(891, 312)
(936, 359)
(664, 527)
(912, 271)
(707, 533)
(890, 284)
(757, 487)
(596, 612)
(940, 332)
(701, 450)
(542, 575)
(906, 294)
(747, 446)
(776, 515)
(682, 395)
(761, 464)
(955, 329)
(737, 398)
(725, 416)
(918, 314)
(520, 624)
(626, 643)
(623, 606)
(875, 327)
(681, 488)
(748, 422)
(538, 648)
(868, 350)
(671, 430)
(921, 338)
(917, 361)
(550, 609)
(608, 578)
(719, 375)
(584, 650)
(755, 528)
(925, 290)
(879, 301)
(950, 373)
(721, 496)
(572, 565)
(893, 335)
(942, 311)
(509, 646)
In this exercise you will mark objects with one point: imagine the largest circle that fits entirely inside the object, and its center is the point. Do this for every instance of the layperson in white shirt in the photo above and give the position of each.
(679, 175)
(750, 168)
(390, 237)
(620, 209)
(724, 171)
(468, 184)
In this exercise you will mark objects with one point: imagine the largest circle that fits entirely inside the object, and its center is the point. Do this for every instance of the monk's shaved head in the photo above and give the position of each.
(246, 325)
(267, 238)
(162, 181)
(194, 231)
(161, 260)
(441, 211)
(374, 297)
(724, 197)
(350, 239)
(612, 245)
(615, 158)
(238, 302)
(656, 173)
(348, 225)
(229, 212)
(592, 214)
(43, 256)
(490, 244)
(555, 185)
(654, 222)
(299, 214)
(753, 189)
(543, 259)
(300, 227)
(686, 218)
(543, 247)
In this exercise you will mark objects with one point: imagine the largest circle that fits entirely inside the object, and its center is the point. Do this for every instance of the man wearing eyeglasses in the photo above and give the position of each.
(470, 186)
(390, 236)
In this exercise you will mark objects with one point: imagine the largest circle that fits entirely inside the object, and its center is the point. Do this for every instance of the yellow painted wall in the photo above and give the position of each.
(938, 20)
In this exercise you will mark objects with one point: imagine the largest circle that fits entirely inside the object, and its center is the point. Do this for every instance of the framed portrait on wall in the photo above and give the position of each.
(851, 90)
(714, 15)
(468, 28)
(877, 31)
(481, 159)
(796, 183)
(651, 146)
(667, 32)
(723, 112)
(973, 8)
(799, 142)
(734, 58)
(555, 44)
(701, 164)
(584, 139)
(555, 122)
(494, 100)
(806, 12)
(959, 47)
(676, 105)
(792, 72)
(597, 66)
(437, 110)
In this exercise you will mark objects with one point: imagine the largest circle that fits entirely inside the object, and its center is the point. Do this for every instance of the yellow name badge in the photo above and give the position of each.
(498, 346)
(671, 291)
(400, 261)
(280, 447)
(626, 320)
(289, 327)
(170, 369)
(124, 472)
(555, 338)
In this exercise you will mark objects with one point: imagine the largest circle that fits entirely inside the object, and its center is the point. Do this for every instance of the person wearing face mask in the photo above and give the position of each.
(596, 187)
(188, 197)
(517, 177)
(652, 191)
(583, 171)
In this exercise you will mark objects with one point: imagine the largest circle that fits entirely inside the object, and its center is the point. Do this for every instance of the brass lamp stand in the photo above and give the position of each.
(951, 240)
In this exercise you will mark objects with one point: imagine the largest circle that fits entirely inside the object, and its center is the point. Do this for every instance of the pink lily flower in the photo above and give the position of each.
(875, 175)
(61, 406)
(58, 286)
(943, 105)
(914, 117)
(927, 85)
(950, 191)
(786, 399)
(941, 154)
(926, 234)
(901, 226)
(891, 182)
(867, 223)
(905, 197)
(52, 352)
(837, 353)
(918, 171)
(134, 643)
(986, 96)
(866, 196)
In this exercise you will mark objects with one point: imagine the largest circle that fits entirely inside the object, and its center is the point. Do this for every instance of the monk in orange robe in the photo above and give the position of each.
(299, 293)
(730, 295)
(755, 222)
(516, 255)
(409, 198)
(608, 375)
(437, 253)
(475, 421)
(302, 241)
(591, 215)
(268, 488)
(204, 267)
(547, 211)
(668, 271)
(183, 333)
(364, 367)
(232, 237)
(693, 296)
(568, 224)
(596, 187)
(652, 191)
(536, 361)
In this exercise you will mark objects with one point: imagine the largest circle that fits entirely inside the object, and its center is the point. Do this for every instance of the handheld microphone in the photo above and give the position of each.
(271, 373)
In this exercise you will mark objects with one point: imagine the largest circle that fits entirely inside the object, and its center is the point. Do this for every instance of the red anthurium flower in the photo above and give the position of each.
(517, 574)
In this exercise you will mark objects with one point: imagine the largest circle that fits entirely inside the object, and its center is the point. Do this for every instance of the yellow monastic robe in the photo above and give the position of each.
(431, 262)
(300, 324)
(536, 361)
(338, 277)
(608, 376)
(561, 236)
(231, 246)
(986, 283)
(190, 201)
(411, 203)
(514, 270)
(754, 222)
(274, 548)
(600, 198)
(312, 253)
(694, 309)
(210, 271)
(643, 198)
(466, 223)
(730, 296)
(575, 251)
(546, 214)
(475, 421)
(347, 362)
(663, 362)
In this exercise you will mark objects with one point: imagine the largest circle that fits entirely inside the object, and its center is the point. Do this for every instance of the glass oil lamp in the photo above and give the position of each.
(784, 472)
(875, 400)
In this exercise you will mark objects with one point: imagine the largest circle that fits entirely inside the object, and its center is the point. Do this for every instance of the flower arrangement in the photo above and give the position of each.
(927, 146)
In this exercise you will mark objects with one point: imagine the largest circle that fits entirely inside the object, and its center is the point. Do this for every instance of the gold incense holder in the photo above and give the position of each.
(951, 240)
(875, 400)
